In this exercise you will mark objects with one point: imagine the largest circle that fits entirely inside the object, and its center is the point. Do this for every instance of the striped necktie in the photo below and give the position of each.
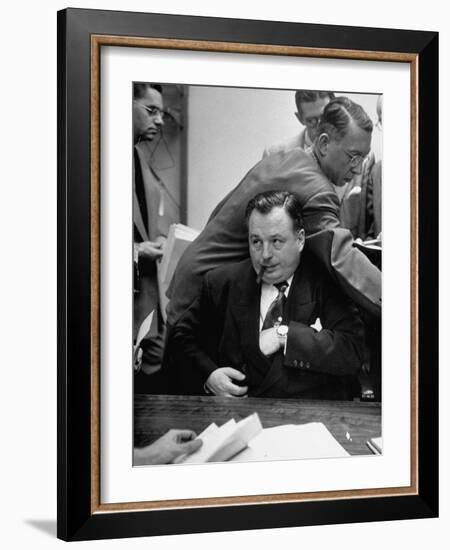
(274, 315)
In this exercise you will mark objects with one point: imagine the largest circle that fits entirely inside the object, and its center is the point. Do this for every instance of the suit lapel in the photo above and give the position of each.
(137, 214)
(137, 217)
(300, 293)
(152, 197)
(153, 200)
(245, 310)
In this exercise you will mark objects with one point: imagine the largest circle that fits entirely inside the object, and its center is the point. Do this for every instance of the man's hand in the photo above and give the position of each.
(220, 382)
(149, 249)
(161, 240)
(168, 447)
(269, 341)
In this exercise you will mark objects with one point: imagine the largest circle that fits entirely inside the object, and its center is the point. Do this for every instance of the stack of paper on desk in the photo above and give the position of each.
(292, 441)
(247, 441)
(220, 444)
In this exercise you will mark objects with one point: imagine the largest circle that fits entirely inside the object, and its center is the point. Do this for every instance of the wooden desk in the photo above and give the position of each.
(154, 415)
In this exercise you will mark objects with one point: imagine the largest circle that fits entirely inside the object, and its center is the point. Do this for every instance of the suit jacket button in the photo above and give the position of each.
(301, 364)
(295, 363)
(307, 364)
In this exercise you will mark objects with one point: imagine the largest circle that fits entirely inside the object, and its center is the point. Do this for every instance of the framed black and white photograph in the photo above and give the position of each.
(245, 302)
(161, 334)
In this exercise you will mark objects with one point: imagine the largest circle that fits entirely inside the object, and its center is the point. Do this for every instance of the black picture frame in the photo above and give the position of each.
(78, 513)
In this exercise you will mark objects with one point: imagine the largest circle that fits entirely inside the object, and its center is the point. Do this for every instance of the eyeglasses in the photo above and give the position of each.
(355, 158)
(154, 112)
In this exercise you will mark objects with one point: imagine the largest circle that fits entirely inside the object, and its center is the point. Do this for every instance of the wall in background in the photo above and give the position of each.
(228, 130)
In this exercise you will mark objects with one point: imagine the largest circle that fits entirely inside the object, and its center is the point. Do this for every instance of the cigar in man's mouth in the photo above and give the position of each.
(260, 274)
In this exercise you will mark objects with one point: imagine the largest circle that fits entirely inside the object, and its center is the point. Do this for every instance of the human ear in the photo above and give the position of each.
(300, 239)
(322, 143)
(299, 117)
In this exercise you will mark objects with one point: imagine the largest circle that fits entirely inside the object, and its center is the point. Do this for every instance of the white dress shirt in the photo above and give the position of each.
(268, 294)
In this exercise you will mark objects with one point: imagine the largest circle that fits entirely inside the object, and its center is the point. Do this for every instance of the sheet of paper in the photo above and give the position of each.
(291, 441)
(245, 430)
(212, 439)
(178, 239)
(144, 328)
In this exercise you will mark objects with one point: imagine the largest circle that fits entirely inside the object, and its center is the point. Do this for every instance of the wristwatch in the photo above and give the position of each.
(282, 332)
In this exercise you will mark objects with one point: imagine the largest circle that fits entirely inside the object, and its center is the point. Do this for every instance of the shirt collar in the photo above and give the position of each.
(267, 286)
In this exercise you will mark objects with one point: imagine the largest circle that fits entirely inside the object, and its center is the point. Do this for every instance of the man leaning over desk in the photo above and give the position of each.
(272, 325)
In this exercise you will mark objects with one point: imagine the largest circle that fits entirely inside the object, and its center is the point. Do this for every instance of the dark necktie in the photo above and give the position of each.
(274, 314)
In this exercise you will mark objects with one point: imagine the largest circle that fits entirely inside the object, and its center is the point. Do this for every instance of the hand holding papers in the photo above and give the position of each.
(221, 444)
(247, 441)
(165, 449)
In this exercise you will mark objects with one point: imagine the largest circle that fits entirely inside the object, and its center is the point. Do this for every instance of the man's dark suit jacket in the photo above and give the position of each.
(148, 225)
(221, 328)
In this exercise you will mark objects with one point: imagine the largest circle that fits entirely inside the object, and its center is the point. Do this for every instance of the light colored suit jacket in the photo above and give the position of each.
(300, 140)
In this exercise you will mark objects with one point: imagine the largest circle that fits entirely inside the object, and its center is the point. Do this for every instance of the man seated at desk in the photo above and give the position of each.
(272, 325)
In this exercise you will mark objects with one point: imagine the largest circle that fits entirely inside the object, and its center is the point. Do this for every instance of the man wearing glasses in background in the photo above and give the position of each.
(150, 228)
(310, 105)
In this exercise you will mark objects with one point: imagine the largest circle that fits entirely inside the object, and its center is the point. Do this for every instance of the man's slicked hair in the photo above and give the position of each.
(140, 89)
(268, 200)
(338, 115)
(309, 96)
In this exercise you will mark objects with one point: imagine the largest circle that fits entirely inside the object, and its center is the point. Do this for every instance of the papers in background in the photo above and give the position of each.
(371, 244)
(144, 329)
(178, 239)
(376, 445)
(371, 248)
